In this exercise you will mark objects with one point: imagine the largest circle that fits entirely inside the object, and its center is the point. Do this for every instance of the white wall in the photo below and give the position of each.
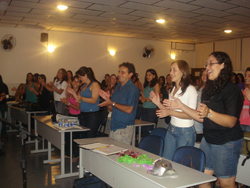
(74, 50)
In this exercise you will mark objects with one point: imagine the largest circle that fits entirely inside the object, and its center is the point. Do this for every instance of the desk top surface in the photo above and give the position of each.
(23, 109)
(47, 121)
(186, 176)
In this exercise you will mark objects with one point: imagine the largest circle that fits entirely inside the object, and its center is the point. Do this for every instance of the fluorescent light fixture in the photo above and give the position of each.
(228, 31)
(160, 21)
(51, 48)
(62, 7)
(112, 52)
(172, 56)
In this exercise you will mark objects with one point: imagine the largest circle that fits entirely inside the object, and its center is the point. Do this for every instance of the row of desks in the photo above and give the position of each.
(106, 167)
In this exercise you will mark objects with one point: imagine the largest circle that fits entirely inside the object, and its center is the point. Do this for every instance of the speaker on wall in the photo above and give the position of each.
(44, 37)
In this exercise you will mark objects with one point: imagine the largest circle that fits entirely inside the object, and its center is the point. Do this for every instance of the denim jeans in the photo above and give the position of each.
(90, 120)
(222, 159)
(60, 107)
(245, 128)
(177, 137)
(148, 114)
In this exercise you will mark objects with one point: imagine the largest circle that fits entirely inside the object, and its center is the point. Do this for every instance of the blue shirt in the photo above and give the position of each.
(146, 92)
(126, 95)
(87, 107)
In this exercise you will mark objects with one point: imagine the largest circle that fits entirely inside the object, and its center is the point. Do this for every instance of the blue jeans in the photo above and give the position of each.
(198, 127)
(222, 159)
(245, 128)
(177, 137)
(90, 120)
(148, 114)
(60, 107)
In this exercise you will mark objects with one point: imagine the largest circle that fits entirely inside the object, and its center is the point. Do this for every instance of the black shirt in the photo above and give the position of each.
(44, 99)
(228, 101)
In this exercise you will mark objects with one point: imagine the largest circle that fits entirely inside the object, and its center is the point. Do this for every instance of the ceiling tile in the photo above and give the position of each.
(109, 9)
(213, 4)
(240, 10)
(143, 7)
(176, 5)
(212, 12)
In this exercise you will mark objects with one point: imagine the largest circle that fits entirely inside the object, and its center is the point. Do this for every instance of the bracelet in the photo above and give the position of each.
(68, 104)
(113, 104)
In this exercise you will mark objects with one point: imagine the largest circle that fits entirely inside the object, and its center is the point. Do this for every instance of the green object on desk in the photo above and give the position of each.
(142, 159)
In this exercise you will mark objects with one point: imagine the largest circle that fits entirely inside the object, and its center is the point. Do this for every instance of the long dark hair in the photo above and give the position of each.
(153, 81)
(27, 77)
(65, 77)
(44, 78)
(76, 77)
(88, 71)
(71, 75)
(242, 77)
(163, 78)
(201, 82)
(185, 79)
(215, 86)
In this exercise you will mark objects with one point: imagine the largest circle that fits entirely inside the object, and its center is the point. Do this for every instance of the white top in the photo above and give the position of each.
(59, 86)
(189, 98)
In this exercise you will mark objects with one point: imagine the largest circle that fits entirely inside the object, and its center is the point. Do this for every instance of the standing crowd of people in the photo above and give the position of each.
(217, 106)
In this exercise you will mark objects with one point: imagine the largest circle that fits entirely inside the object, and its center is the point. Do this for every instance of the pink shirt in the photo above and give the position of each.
(73, 102)
(244, 116)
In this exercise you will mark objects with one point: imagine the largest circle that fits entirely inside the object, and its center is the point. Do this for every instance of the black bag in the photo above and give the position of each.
(89, 181)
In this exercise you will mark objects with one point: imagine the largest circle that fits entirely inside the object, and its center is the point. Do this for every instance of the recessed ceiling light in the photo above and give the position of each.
(62, 7)
(160, 21)
(228, 31)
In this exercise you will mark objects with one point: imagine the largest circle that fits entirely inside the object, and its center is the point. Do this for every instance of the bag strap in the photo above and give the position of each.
(191, 160)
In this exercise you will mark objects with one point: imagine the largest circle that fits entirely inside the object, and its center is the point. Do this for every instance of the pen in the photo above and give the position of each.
(102, 147)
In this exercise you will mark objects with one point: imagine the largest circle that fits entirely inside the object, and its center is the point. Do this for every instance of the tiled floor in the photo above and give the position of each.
(39, 175)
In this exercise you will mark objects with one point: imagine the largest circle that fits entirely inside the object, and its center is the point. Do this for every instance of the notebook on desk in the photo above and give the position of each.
(105, 149)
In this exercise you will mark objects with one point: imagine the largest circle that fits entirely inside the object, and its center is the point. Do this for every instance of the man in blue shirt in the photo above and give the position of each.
(123, 104)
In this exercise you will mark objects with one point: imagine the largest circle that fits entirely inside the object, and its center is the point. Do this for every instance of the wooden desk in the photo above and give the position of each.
(122, 175)
(56, 137)
(23, 116)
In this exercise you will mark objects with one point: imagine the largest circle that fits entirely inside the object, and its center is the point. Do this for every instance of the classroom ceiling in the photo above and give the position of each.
(189, 21)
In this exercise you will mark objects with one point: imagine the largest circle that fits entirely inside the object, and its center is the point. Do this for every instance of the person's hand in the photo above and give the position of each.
(162, 113)
(78, 98)
(143, 99)
(105, 103)
(104, 95)
(64, 100)
(14, 89)
(247, 93)
(71, 91)
(51, 84)
(172, 104)
(155, 98)
(31, 89)
(203, 110)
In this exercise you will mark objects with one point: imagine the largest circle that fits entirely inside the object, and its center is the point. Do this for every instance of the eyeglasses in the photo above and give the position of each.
(210, 64)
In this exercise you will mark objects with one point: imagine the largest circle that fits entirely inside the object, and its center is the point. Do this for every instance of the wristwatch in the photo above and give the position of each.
(113, 104)
(68, 104)
(209, 115)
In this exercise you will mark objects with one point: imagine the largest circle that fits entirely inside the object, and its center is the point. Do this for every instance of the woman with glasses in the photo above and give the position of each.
(220, 108)
(181, 131)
